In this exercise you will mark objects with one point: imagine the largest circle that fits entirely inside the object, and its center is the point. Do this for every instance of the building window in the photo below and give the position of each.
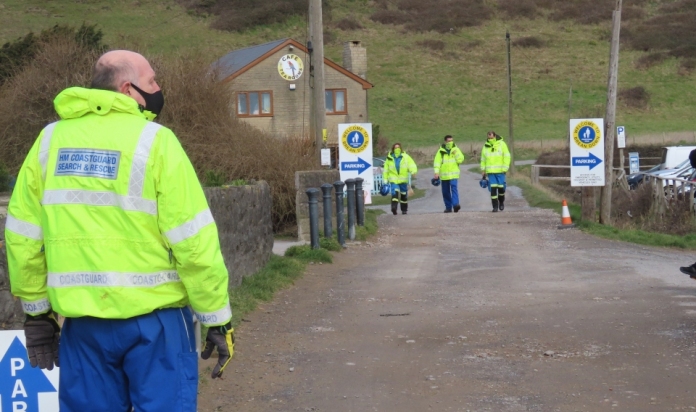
(251, 104)
(336, 101)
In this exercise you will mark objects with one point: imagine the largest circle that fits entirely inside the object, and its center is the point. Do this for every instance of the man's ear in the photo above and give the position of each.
(125, 88)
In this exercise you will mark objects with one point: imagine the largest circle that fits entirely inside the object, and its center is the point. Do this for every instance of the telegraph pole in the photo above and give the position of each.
(316, 36)
(610, 118)
(511, 140)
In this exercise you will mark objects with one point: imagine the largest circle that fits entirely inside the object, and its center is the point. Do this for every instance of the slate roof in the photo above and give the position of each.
(237, 62)
(234, 61)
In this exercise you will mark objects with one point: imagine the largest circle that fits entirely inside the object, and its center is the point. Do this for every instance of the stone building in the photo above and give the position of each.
(272, 86)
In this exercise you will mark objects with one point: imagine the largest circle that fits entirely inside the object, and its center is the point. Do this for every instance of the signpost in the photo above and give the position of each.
(586, 152)
(23, 388)
(621, 144)
(355, 154)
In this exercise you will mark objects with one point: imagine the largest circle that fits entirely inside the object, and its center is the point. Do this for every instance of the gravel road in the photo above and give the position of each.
(472, 311)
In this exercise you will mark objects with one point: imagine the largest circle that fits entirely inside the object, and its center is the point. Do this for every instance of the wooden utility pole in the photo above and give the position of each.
(511, 140)
(610, 118)
(318, 106)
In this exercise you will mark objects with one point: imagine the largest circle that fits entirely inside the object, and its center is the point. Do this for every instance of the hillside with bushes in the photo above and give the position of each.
(439, 66)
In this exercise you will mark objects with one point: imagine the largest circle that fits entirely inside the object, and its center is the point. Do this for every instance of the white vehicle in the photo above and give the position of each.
(673, 156)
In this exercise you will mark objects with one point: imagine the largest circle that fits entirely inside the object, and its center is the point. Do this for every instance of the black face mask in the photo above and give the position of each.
(153, 101)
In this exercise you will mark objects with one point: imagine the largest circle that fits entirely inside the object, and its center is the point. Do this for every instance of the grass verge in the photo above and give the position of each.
(362, 233)
(279, 273)
(539, 197)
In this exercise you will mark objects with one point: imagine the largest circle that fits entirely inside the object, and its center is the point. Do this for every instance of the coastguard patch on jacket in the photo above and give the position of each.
(88, 163)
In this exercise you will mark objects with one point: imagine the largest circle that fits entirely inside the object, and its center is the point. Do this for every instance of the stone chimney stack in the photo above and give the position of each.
(355, 58)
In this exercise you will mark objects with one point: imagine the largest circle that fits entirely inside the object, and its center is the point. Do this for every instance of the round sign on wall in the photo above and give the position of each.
(290, 67)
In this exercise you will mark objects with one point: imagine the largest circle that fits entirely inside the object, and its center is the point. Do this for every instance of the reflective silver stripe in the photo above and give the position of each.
(85, 197)
(142, 153)
(23, 228)
(215, 318)
(45, 146)
(123, 279)
(36, 307)
(190, 228)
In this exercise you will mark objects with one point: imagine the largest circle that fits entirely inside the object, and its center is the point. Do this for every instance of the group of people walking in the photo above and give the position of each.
(495, 162)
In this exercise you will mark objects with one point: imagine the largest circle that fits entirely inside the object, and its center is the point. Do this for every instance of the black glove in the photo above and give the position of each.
(42, 334)
(221, 337)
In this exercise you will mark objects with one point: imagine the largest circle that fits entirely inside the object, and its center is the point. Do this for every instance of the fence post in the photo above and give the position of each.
(340, 221)
(326, 188)
(360, 201)
(312, 194)
(350, 185)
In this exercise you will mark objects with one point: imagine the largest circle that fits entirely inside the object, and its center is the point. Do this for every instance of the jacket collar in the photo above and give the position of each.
(76, 102)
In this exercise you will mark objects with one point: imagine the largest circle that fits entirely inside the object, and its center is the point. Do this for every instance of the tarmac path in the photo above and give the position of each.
(472, 311)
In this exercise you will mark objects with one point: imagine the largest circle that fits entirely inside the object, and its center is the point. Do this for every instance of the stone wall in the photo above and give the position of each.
(243, 217)
(304, 181)
(11, 314)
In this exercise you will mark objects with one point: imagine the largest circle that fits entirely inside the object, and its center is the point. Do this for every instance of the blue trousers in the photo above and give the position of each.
(497, 185)
(145, 363)
(450, 193)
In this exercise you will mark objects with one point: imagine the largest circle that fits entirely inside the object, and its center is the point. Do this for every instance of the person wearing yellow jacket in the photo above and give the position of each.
(396, 172)
(495, 162)
(108, 226)
(446, 168)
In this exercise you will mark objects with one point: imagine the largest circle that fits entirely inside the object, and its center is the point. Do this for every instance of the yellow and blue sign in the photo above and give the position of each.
(587, 134)
(355, 154)
(23, 388)
(587, 152)
(355, 139)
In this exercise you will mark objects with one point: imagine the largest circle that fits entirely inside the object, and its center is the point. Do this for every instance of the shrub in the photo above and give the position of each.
(432, 44)
(527, 42)
(583, 11)
(389, 17)
(472, 45)
(445, 16)
(671, 30)
(518, 8)
(687, 66)
(26, 99)
(349, 23)
(15, 55)
(240, 15)
(650, 60)
(636, 97)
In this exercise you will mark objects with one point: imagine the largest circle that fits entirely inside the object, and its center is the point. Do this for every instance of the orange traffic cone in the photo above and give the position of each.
(566, 221)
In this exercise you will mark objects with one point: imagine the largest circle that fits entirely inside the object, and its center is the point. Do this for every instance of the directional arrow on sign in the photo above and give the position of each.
(590, 161)
(21, 384)
(360, 166)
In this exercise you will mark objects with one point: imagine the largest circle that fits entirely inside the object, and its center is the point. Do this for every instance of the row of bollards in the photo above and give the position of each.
(356, 210)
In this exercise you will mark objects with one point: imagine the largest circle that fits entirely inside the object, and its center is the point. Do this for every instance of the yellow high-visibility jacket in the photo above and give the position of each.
(495, 156)
(447, 164)
(108, 218)
(406, 166)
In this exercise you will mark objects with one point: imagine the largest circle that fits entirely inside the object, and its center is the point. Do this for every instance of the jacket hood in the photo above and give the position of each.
(76, 102)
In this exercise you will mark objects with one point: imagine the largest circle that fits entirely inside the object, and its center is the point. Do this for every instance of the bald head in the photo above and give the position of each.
(117, 70)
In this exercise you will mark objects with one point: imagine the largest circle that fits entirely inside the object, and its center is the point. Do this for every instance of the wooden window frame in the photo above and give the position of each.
(333, 103)
(260, 93)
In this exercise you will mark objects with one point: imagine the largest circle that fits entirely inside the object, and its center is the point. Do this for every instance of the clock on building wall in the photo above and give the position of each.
(290, 67)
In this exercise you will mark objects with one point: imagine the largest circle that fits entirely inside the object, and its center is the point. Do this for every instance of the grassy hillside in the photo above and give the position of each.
(420, 93)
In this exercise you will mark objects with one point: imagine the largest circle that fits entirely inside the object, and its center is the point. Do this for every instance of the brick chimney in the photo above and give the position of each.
(355, 58)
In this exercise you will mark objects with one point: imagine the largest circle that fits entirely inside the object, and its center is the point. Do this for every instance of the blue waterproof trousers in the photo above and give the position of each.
(146, 363)
(450, 193)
